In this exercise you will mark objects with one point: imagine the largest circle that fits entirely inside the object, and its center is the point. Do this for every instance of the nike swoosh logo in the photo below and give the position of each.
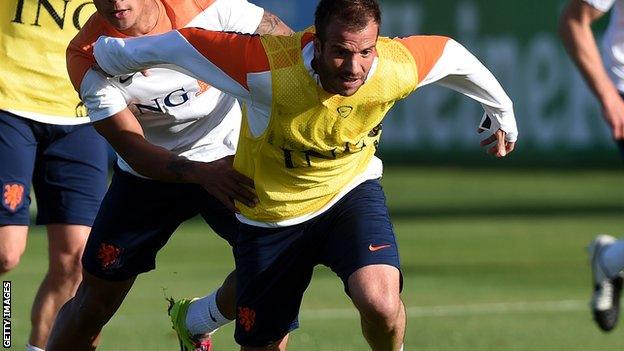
(376, 248)
(123, 80)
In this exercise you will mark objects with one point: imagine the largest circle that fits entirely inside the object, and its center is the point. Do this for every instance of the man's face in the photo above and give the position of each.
(345, 57)
(124, 15)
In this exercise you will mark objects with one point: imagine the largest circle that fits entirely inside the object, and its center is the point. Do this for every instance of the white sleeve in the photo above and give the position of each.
(101, 98)
(238, 15)
(459, 70)
(170, 50)
(601, 5)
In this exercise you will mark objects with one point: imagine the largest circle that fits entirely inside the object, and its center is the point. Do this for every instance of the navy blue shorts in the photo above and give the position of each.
(274, 265)
(137, 218)
(67, 166)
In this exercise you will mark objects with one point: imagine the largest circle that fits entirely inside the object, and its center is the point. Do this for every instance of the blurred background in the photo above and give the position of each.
(493, 251)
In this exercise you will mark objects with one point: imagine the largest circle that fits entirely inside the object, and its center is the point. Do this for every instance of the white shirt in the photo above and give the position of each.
(176, 111)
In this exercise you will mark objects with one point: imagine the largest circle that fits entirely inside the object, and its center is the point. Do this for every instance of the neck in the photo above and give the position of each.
(146, 21)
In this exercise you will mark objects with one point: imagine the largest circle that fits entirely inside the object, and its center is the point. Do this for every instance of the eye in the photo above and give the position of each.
(342, 52)
(366, 52)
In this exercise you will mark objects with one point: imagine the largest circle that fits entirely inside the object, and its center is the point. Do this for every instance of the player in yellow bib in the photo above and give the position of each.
(46, 141)
(313, 105)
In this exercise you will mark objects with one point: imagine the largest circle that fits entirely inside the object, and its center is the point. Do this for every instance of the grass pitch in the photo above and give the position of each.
(492, 260)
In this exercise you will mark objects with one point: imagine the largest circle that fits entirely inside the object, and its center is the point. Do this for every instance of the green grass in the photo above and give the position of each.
(468, 239)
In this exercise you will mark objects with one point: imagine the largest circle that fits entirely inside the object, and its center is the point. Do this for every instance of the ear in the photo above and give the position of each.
(317, 46)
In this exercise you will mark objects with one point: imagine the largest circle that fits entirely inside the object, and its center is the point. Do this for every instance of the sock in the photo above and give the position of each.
(29, 347)
(203, 316)
(613, 258)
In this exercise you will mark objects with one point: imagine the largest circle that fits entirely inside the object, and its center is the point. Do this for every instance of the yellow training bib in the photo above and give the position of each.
(34, 35)
(317, 143)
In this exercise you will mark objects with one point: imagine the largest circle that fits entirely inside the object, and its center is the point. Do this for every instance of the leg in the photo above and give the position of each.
(613, 258)
(70, 179)
(278, 346)
(273, 269)
(81, 319)
(226, 297)
(12, 246)
(135, 220)
(18, 149)
(606, 258)
(207, 314)
(361, 248)
(375, 293)
(65, 243)
(194, 320)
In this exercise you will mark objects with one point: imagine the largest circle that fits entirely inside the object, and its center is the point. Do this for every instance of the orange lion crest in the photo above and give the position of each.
(13, 196)
(108, 255)
(246, 317)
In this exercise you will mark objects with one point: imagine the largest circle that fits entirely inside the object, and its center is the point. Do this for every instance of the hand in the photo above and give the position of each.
(223, 182)
(613, 112)
(502, 147)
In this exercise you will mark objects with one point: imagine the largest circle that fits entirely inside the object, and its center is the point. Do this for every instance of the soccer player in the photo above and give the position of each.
(175, 137)
(46, 141)
(606, 253)
(312, 113)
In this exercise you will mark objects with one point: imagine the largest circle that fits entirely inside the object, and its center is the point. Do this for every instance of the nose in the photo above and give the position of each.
(352, 65)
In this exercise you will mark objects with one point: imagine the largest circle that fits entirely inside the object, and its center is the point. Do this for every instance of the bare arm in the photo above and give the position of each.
(125, 134)
(578, 39)
(271, 24)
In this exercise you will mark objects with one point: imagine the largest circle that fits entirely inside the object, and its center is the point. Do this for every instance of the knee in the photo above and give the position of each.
(66, 269)
(381, 310)
(8, 261)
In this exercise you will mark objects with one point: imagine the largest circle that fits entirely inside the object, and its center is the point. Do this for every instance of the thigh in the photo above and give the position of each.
(71, 174)
(66, 243)
(359, 232)
(273, 268)
(136, 219)
(18, 148)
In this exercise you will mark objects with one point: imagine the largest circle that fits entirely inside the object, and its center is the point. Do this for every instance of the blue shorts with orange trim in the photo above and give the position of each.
(67, 165)
(137, 218)
(274, 265)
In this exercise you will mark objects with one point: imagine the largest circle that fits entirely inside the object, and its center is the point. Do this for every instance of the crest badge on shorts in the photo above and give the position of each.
(108, 255)
(13, 196)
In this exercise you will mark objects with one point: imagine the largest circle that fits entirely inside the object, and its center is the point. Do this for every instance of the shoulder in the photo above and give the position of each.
(80, 49)
(182, 12)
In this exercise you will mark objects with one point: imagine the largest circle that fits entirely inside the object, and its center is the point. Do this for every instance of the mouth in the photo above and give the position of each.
(350, 82)
(120, 14)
